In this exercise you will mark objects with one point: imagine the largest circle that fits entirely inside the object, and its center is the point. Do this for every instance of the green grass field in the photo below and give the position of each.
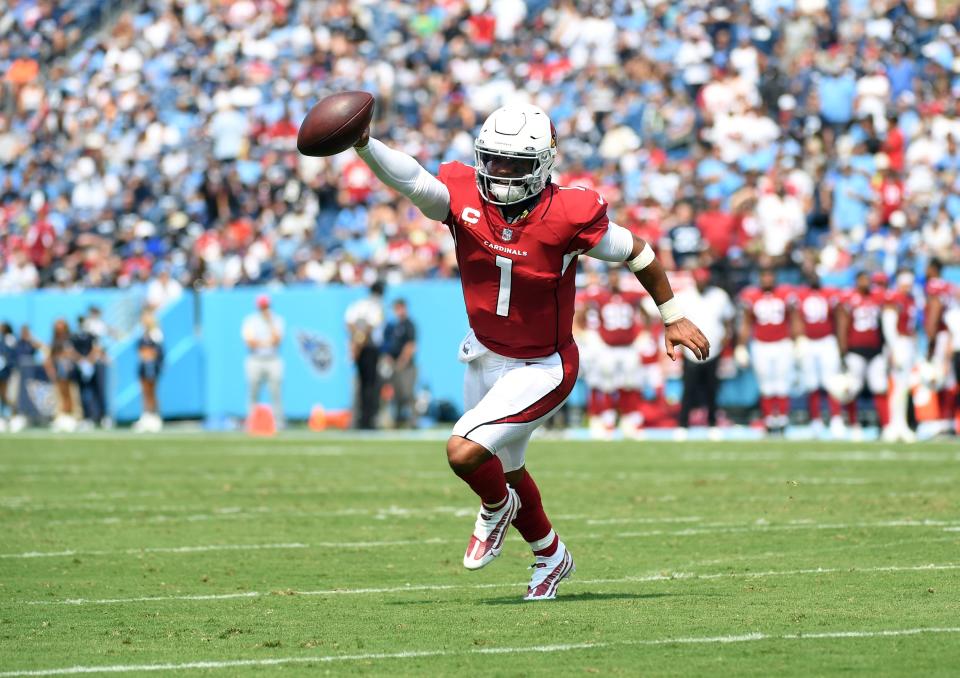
(234, 556)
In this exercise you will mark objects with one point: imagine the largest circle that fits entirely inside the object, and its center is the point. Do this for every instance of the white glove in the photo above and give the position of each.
(741, 356)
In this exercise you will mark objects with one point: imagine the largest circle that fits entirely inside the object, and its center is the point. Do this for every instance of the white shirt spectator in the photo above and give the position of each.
(261, 328)
(709, 311)
(366, 311)
(873, 92)
(162, 290)
(780, 221)
(20, 276)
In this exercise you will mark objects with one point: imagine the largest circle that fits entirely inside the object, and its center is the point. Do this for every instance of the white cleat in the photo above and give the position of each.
(489, 532)
(548, 572)
(838, 429)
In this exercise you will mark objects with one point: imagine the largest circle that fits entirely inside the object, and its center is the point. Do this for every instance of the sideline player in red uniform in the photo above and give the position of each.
(518, 236)
(899, 324)
(861, 345)
(617, 371)
(766, 315)
(938, 293)
(818, 357)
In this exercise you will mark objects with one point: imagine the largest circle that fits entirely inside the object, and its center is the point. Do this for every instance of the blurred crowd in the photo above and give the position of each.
(805, 134)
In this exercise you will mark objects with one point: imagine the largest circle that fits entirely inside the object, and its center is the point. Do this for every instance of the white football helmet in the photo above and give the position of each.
(515, 152)
(842, 386)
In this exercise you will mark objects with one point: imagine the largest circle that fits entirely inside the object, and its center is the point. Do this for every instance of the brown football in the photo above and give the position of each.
(335, 123)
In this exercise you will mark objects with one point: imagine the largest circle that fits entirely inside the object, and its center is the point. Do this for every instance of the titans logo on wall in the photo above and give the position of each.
(316, 350)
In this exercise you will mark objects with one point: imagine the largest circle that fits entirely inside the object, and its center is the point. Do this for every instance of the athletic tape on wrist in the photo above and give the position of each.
(670, 311)
(642, 260)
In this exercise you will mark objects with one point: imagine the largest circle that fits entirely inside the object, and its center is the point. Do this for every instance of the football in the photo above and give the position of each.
(335, 123)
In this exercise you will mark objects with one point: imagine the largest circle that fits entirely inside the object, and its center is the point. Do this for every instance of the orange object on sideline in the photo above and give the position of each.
(339, 419)
(318, 418)
(261, 422)
(925, 404)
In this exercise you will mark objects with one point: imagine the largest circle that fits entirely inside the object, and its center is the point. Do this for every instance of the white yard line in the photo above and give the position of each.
(157, 549)
(545, 649)
(385, 513)
(826, 455)
(709, 528)
(658, 577)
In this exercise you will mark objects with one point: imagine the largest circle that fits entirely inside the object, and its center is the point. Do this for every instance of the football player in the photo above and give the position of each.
(619, 321)
(586, 325)
(938, 296)
(818, 357)
(899, 324)
(766, 319)
(861, 345)
(517, 237)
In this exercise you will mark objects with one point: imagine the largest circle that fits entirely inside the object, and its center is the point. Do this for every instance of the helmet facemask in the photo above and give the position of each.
(506, 178)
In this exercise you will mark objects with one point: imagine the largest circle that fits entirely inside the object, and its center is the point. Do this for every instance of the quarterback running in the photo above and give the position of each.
(518, 236)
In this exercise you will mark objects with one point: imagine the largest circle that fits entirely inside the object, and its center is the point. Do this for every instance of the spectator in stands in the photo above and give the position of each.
(262, 333)
(150, 365)
(60, 366)
(163, 289)
(89, 353)
(399, 350)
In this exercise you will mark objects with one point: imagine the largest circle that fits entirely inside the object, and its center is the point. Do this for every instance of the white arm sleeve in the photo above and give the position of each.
(615, 245)
(404, 174)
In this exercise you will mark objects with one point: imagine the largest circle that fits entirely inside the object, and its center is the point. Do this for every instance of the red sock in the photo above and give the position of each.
(834, 405)
(766, 406)
(882, 403)
(593, 403)
(813, 404)
(948, 403)
(629, 401)
(531, 522)
(784, 403)
(852, 412)
(488, 482)
(604, 402)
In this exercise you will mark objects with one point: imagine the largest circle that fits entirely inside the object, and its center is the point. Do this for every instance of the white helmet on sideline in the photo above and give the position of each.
(515, 152)
(842, 386)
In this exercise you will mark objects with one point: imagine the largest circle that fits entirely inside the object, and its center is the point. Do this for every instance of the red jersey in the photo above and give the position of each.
(939, 288)
(585, 299)
(864, 332)
(769, 312)
(650, 344)
(906, 307)
(816, 308)
(518, 278)
(619, 318)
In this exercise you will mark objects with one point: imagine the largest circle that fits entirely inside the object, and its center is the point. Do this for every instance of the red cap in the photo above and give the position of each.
(879, 278)
(263, 301)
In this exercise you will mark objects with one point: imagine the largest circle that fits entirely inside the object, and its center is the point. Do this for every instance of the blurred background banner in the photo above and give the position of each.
(203, 374)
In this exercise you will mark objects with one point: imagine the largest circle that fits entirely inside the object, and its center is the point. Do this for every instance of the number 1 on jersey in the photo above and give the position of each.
(506, 276)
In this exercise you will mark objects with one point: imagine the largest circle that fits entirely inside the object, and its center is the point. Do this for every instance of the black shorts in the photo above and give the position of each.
(149, 370)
